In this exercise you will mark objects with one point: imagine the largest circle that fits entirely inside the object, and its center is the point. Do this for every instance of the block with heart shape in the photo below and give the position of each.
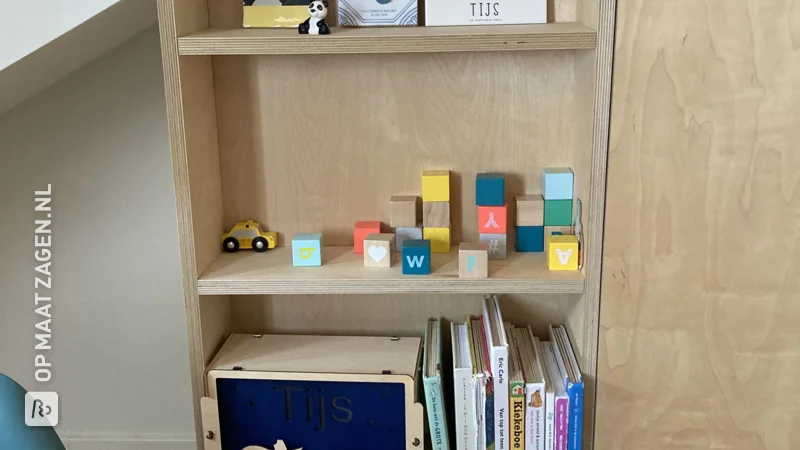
(561, 252)
(379, 250)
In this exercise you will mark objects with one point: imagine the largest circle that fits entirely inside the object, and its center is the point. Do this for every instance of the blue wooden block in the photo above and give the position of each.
(490, 189)
(416, 257)
(307, 249)
(530, 239)
(557, 183)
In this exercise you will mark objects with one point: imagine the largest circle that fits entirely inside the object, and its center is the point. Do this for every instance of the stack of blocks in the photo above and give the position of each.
(492, 213)
(436, 209)
(403, 218)
(307, 249)
(561, 247)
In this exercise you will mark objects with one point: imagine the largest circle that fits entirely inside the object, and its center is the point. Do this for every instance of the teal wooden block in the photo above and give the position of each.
(490, 189)
(557, 183)
(530, 239)
(557, 212)
(307, 249)
(416, 257)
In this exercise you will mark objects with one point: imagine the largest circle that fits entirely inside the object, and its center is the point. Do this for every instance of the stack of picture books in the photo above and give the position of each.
(510, 390)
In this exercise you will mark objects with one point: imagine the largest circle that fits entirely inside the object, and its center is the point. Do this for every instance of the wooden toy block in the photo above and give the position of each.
(307, 249)
(436, 186)
(561, 252)
(439, 237)
(416, 257)
(492, 219)
(361, 231)
(557, 183)
(557, 213)
(490, 189)
(473, 260)
(404, 211)
(530, 239)
(496, 244)
(436, 214)
(530, 210)
(561, 230)
(404, 233)
(379, 250)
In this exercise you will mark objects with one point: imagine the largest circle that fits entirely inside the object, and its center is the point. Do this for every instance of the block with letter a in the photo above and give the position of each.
(417, 257)
(561, 252)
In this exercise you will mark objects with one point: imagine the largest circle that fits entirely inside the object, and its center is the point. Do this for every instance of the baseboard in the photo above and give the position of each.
(129, 443)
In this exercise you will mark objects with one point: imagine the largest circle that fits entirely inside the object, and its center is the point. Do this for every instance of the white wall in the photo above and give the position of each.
(120, 360)
(26, 25)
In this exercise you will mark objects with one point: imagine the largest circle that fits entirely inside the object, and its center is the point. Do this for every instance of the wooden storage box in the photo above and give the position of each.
(315, 392)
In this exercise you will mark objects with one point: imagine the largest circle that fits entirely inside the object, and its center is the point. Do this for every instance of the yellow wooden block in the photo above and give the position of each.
(439, 237)
(436, 186)
(561, 252)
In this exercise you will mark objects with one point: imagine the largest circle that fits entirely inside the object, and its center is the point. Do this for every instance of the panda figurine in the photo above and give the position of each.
(318, 10)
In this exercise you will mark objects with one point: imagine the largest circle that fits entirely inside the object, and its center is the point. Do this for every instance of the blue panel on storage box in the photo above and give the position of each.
(317, 415)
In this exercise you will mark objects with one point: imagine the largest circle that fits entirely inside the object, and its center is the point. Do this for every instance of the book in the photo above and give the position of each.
(573, 383)
(561, 400)
(466, 437)
(484, 387)
(516, 389)
(274, 13)
(549, 396)
(364, 13)
(534, 388)
(498, 359)
(432, 381)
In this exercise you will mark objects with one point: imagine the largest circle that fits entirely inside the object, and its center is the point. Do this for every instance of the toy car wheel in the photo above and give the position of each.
(230, 245)
(260, 244)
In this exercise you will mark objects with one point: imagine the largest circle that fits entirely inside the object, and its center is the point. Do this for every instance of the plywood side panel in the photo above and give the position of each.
(215, 317)
(315, 144)
(190, 16)
(403, 315)
(701, 282)
(178, 130)
(202, 150)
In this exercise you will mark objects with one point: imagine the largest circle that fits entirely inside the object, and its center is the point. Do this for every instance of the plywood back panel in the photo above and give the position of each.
(317, 143)
(403, 315)
(701, 283)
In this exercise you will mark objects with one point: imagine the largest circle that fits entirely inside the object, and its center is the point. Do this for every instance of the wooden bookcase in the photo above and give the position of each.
(312, 133)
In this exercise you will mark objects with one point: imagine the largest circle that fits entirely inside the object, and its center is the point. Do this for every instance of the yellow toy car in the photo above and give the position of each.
(249, 235)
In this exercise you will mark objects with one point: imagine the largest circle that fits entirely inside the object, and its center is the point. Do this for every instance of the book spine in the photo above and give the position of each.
(517, 403)
(436, 422)
(534, 417)
(489, 415)
(575, 392)
(560, 440)
(550, 421)
(462, 393)
(501, 416)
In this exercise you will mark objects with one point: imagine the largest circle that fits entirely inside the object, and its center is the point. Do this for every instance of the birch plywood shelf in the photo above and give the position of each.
(310, 134)
(343, 272)
(552, 36)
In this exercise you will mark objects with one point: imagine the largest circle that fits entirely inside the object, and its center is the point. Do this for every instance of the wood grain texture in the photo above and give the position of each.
(297, 168)
(551, 36)
(343, 271)
(701, 283)
(401, 315)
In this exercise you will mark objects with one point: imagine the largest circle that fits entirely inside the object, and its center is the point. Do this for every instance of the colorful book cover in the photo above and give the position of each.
(517, 390)
(561, 399)
(573, 383)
